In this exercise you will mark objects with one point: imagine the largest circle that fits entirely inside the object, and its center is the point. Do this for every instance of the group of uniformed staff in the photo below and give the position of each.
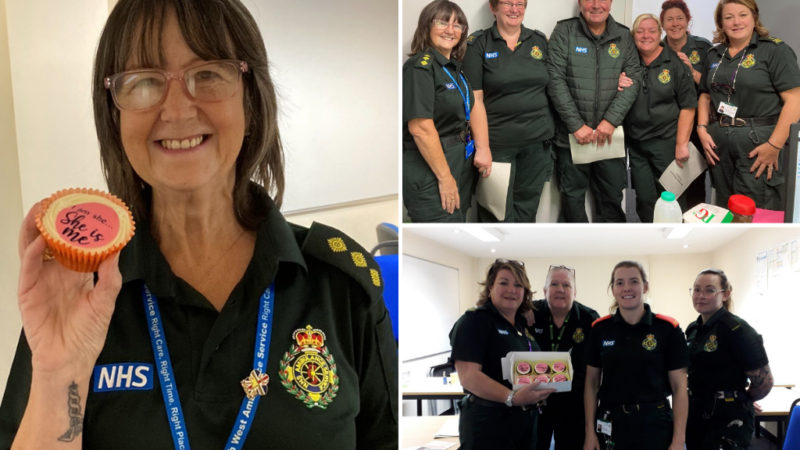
(643, 358)
(507, 94)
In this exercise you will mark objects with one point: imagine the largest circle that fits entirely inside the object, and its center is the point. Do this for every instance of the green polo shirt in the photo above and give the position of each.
(317, 283)
(721, 351)
(429, 93)
(696, 49)
(573, 336)
(514, 84)
(482, 335)
(636, 359)
(667, 88)
(769, 67)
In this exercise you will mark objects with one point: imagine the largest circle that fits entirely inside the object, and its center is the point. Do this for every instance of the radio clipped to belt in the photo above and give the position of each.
(466, 135)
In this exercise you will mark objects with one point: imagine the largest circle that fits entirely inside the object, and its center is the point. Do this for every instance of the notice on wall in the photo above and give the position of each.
(794, 254)
(761, 272)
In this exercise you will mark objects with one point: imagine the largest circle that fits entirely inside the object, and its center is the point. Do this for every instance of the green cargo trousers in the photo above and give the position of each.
(531, 168)
(649, 159)
(715, 424)
(607, 179)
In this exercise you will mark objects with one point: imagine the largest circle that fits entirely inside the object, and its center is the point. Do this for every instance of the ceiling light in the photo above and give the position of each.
(493, 250)
(678, 232)
(484, 234)
(685, 246)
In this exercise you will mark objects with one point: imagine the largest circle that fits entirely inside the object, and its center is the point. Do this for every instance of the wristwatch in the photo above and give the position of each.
(510, 399)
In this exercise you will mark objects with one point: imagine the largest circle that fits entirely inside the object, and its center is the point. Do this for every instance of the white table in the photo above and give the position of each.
(430, 388)
(775, 408)
(418, 431)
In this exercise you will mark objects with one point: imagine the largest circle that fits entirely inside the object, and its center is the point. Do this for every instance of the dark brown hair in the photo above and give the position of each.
(723, 283)
(519, 274)
(213, 29)
(439, 10)
(720, 36)
(680, 4)
(626, 264)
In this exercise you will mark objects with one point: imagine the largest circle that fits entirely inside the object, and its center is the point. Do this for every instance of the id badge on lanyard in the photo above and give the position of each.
(727, 109)
(466, 135)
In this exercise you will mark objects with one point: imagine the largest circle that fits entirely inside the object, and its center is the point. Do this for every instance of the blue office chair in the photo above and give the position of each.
(792, 440)
(388, 239)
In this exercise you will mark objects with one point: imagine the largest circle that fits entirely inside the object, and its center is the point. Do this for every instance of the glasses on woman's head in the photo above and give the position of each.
(708, 292)
(509, 261)
(210, 81)
(508, 5)
(442, 25)
(561, 266)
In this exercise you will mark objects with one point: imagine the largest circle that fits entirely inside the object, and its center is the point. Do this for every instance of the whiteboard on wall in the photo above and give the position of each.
(539, 15)
(429, 307)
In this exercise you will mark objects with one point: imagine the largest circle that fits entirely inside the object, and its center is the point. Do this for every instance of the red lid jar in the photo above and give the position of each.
(742, 207)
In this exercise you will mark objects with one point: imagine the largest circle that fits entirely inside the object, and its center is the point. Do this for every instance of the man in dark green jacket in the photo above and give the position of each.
(587, 55)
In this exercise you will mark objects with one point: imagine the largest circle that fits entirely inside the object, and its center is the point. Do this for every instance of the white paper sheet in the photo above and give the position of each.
(449, 429)
(676, 180)
(492, 191)
(589, 153)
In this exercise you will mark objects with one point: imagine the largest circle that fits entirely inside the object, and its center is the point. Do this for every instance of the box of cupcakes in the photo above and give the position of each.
(553, 370)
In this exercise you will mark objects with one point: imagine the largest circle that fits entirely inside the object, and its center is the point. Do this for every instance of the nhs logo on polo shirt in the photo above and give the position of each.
(491, 55)
(581, 50)
(503, 332)
(715, 65)
(450, 86)
(608, 343)
(123, 377)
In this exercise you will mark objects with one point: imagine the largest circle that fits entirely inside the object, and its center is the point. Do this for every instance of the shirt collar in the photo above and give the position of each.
(441, 59)
(575, 311)
(524, 33)
(647, 319)
(713, 319)
(518, 318)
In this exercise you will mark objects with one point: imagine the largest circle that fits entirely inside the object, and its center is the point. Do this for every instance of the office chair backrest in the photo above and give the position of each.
(442, 369)
(792, 440)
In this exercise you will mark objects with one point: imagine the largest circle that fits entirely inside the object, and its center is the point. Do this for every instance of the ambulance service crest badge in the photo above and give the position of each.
(711, 345)
(695, 58)
(749, 62)
(664, 77)
(308, 370)
(536, 53)
(578, 335)
(650, 342)
(613, 51)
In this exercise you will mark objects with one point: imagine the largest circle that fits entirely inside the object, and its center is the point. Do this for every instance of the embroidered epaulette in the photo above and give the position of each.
(474, 36)
(774, 40)
(600, 320)
(424, 60)
(669, 319)
(731, 322)
(540, 33)
(702, 39)
(339, 250)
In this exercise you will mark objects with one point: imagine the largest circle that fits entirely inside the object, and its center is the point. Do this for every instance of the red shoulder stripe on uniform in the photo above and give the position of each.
(669, 319)
(600, 320)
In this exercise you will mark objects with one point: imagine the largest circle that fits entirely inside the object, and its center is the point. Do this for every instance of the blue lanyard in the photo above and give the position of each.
(463, 97)
(169, 390)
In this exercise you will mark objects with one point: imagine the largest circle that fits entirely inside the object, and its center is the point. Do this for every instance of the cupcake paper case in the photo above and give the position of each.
(83, 227)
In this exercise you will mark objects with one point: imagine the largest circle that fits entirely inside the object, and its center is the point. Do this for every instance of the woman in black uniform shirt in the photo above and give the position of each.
(724, 351)
(493, 417)
(438, 151)
(643, 359)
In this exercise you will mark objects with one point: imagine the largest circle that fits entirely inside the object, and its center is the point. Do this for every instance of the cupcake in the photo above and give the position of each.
(83, 227)
(544, 379)
(560, 377)
(523, 368)
(523, 380)
(559, 367)
(541, 368)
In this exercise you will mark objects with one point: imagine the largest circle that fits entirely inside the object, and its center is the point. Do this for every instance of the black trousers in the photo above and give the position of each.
(562, 416)
(649, 429)
(488, 428)
(716, 423)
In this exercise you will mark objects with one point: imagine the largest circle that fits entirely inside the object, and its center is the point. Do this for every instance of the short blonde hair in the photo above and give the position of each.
(641, 19)
(719, 35)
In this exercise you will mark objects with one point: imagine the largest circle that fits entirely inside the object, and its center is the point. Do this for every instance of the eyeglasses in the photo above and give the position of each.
(708, 292)
(562, 267)
(442, 25)
(508, 5)
(210, 81)
(509, 261)
(726, 89)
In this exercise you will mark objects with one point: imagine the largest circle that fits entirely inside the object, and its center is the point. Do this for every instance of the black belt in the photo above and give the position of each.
(727, 121)
(636, 407)
(488, 403)
(728, 396)
(447, 141)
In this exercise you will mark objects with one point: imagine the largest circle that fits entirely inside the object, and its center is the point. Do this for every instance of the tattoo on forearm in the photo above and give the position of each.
(760, 382)
(75, 416)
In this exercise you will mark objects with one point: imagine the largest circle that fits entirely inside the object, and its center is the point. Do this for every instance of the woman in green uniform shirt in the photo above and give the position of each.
(658, 125)
(724, 352)
(438, 151)
(750, 97)
(507, 67)
(493, 416)
(643, 359)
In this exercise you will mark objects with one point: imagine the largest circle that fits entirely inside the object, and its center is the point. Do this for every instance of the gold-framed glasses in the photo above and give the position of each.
(209, 81)
(508, 5)
(442, 25)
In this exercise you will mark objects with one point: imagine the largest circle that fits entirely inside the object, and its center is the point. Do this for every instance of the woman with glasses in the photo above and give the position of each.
(512, 119)
(219, 323)
(659, 124)
(493, 415)
(750, 95)
(724, 352)
(438, 151)
(642, 358)
(563, 325)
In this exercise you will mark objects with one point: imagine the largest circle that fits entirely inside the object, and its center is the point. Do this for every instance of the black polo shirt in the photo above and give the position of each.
(482, 335)
(636, 359)
(317, 282)
(769, 67)
(721, 351)
(666, 89)
(574, 333)
(696, 49)
(514, 84)
(429, 93)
